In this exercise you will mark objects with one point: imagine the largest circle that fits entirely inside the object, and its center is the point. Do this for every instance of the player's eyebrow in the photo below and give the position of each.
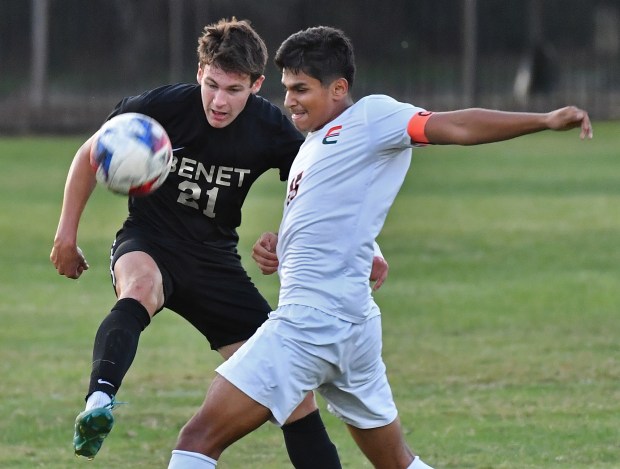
(233, 87)
(296, 86)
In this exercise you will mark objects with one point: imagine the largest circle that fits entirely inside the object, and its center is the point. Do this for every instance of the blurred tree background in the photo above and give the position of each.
(65, 63)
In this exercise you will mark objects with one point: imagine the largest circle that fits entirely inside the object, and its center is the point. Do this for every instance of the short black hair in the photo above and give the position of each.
(322, 52)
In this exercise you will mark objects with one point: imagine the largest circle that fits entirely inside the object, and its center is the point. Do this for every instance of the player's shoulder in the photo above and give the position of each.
(257, 106)
(380, 106)
(261, 114)
(381, 100)
(373, 98)
(171, 94)
(160, 98)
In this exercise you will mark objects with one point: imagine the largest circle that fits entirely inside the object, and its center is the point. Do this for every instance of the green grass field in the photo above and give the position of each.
(501, 313)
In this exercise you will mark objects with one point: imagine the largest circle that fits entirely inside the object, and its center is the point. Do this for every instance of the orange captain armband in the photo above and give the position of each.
(416, 127)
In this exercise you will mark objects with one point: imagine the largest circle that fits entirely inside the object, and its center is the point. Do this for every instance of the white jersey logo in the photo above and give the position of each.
(330, 136)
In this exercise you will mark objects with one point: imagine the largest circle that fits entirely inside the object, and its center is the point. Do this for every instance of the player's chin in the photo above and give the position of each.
(300, 121)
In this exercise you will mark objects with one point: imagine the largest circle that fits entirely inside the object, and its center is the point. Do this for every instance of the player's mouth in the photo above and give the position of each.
(297, 114)
(219, 115)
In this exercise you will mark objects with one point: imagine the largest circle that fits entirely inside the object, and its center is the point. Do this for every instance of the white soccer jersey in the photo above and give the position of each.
(341, 186)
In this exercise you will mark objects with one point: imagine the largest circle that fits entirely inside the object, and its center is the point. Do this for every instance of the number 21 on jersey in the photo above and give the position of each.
(190, 194)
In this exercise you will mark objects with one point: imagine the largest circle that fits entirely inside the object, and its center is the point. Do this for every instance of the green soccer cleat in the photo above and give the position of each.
(91, 428)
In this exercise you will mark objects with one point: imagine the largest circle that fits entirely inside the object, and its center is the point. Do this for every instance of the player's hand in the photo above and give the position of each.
(570, 117)
(379, 272)
(264, 253)
(68, 260)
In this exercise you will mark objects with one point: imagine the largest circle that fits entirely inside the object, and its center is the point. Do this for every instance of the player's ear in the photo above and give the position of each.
(199, 73)
(340, 88)
(257, 84)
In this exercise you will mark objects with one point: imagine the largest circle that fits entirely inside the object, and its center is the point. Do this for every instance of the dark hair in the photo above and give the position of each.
(322, 52)
(233, 46)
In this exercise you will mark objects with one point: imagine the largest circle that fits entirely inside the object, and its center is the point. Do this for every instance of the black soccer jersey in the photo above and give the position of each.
(212, 169)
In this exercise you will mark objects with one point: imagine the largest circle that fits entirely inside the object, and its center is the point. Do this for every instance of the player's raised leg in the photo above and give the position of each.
(138, 284)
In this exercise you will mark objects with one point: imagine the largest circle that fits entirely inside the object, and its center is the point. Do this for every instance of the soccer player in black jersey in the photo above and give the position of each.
(178, 246)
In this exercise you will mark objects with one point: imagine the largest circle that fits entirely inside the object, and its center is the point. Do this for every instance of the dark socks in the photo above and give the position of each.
(116, 344)
(308, 444)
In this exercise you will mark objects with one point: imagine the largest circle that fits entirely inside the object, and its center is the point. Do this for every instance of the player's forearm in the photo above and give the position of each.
(475, 126)
(78, 188)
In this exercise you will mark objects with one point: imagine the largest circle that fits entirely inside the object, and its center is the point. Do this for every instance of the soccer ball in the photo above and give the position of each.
(131, 154)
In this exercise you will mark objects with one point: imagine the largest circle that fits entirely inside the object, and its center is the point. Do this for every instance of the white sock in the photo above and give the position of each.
(97, 399)
(418, 464)
(189, 460)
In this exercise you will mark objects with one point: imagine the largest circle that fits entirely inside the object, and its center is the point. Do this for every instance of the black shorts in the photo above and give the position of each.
(206, 285)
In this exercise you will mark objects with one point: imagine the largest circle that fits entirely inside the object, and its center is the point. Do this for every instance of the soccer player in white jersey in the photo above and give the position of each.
(326, 331)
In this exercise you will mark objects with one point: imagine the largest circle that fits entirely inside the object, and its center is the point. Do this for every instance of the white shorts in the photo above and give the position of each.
(300, 349)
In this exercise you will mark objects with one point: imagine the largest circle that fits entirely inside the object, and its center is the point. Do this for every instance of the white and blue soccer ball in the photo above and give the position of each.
(131, 154)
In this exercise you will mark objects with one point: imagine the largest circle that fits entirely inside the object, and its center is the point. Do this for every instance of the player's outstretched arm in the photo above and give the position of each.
(475, 126)
(66, 255)
(264, 253)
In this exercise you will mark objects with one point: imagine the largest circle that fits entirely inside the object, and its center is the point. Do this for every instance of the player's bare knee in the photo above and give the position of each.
(144, 291)
(145, 287)
(307, 406)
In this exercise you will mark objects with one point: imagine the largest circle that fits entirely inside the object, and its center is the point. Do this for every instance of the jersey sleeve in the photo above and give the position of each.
(389, 120)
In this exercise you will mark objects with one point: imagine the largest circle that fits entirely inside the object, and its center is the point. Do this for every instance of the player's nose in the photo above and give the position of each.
(289, 101)
(219, 98)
